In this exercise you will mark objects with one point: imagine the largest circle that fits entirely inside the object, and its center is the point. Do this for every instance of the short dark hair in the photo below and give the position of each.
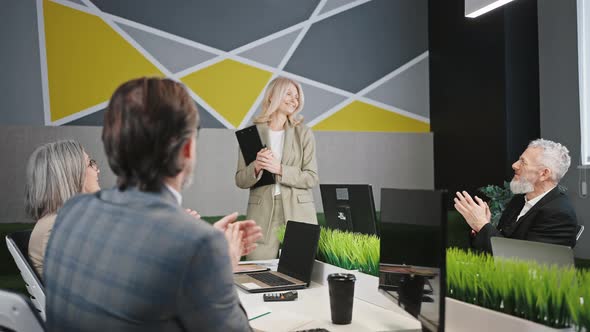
(147, 122)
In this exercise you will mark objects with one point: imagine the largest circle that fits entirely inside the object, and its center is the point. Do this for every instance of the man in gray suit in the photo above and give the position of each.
(131, 258)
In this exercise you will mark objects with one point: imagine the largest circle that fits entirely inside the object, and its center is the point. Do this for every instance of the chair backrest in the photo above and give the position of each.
(579, 231)
(542, 253)
(18, 245)
(18, 314)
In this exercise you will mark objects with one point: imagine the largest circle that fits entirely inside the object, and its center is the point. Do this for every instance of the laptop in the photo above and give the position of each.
(295, 264)
(542, 253)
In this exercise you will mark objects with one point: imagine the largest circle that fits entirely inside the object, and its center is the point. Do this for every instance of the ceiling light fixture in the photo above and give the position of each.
(475, 8)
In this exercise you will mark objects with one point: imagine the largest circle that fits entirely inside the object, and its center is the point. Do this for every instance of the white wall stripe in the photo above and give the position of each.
(92, 9)
(75, 6)
(43, 61)
(268, 38)
(233, 55)
(128, 38)
(394, 109)
(283, 63)
(393, 74)
(339, 10)
(81, 114)
(197, 67)
(359, 95)
(164, 34)
(210, 109)
(222, 55)
(329, 112)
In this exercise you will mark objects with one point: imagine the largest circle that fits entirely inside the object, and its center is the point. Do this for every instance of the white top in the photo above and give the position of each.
(276, 146)
(175, 193)
(529, 204)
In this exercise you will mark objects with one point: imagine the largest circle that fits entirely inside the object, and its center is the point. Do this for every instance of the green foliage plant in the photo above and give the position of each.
(499, 197)
(351, 251)
(554, 296)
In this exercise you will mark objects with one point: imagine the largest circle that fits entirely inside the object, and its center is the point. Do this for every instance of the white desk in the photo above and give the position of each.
(312, 310)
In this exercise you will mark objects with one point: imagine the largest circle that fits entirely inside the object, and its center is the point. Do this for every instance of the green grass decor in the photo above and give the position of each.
(351, 251)
(549, 295)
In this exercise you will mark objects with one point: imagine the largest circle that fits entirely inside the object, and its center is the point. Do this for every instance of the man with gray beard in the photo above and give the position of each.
(539, 210)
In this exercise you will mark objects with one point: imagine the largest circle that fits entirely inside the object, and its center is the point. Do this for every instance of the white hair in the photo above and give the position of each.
(554, 156)
(55, 172)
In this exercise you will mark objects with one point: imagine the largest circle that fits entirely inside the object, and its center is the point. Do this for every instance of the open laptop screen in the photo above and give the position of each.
(299, 250)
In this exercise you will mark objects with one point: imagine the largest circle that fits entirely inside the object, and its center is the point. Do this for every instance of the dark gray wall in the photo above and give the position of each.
(391, 160)
(484, 93)
(559, 95)
(20, 67)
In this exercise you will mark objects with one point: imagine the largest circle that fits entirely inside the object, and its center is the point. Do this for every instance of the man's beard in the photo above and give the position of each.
(522, 186)
(189, 171)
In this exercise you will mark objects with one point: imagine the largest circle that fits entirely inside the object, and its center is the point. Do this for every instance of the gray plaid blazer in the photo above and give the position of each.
(136, 261)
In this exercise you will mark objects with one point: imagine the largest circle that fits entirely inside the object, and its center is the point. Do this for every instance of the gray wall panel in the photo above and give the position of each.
(382, 159)
(20, 69)
(559, 95)
(223, 24)
(94, 119)
(17, 143)
(359, 46)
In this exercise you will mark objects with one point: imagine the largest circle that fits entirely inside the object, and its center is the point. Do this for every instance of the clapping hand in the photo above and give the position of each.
(262, 155)
(476, 212)
(193, 213)
(241, 235)
(267, 161)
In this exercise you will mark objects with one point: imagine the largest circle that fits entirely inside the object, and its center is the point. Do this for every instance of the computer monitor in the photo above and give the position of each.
(349, 207)
(412, 253)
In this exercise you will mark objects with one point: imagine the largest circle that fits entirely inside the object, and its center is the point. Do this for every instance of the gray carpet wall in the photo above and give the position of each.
(390, 160)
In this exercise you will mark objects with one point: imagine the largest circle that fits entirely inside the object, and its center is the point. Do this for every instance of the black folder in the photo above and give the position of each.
(250, 144)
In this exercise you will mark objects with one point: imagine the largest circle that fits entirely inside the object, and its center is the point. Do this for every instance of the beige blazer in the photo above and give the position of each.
(38, 241)
(300, 174)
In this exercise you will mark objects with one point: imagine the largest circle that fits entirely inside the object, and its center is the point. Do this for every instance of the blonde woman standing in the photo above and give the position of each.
(290, 156)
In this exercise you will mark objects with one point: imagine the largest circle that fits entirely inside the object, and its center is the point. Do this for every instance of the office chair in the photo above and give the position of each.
(18, 314)
(579, 231)
(18, 245)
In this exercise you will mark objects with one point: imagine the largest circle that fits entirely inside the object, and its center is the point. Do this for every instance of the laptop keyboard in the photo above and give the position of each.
(270, 279)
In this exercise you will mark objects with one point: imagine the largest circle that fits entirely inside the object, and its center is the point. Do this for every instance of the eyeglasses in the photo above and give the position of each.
(92, 163)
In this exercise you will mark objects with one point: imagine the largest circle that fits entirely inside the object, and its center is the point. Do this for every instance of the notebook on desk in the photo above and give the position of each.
(295, 264)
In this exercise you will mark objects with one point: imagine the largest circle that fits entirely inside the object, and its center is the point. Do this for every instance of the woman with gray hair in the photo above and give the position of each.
(55, 172)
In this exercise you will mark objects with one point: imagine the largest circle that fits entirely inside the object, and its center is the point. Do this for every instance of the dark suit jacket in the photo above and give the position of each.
(552, 220)
(136, 261)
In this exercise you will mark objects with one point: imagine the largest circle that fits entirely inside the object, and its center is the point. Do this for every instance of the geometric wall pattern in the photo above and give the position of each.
(363, 64)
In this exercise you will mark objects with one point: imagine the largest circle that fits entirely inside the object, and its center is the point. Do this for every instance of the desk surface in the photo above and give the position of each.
(312, 310)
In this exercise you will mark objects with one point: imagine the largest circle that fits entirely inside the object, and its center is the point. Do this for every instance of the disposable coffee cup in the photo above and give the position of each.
(341, 287)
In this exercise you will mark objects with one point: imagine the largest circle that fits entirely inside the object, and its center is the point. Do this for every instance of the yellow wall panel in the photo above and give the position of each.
(86, 60)
(359, 116)
(229, 87)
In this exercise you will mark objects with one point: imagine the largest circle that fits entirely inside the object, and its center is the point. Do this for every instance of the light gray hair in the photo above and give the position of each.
(55, 172)
(554, 156)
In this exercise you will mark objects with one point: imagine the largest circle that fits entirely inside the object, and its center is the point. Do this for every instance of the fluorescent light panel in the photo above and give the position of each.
(487, 8)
